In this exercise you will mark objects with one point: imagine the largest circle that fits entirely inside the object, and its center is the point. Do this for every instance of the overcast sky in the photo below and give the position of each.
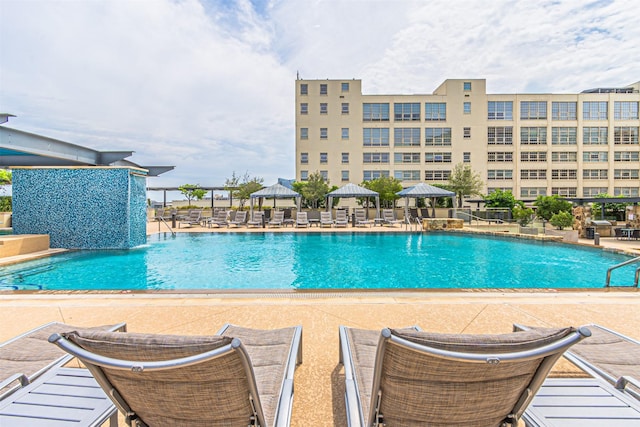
(208, 85)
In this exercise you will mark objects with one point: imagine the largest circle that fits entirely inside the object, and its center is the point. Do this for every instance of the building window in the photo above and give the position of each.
(626, 173)
(325, 175)
(564, 156)
(595, 136)
(466, 132)
(533, 136)
(435, 111)
(371, 175)
(594, 191)
(500, 156)
(344, 87)
(626, 156)
(533, 191)
(533, 174)
(625, 135)
(595, 110)
(304, 175)
(345, 108)
(304, 158)
(406, 112)
(304, 108)
(323, 89)
(564, 174)
(323, 158)
(625, 110)
(344, 175)
(564, 136)
(304, 133)
(533, 156)
(500, 110)
(437, 157)
(406, 137)
(375, 112)
(466, 157)
(304, 89)
(375, 137)
(406, 157)
(564, 191)
(407, 175)
(625, 191)
(437, 175)
(563, 111)
(467, 108)
(491, 190)
(323, 108)
(496, 174)
(533, 110)
(467, 86)
(375, 158)
(345, 133)
(323, 133)
(345, 158)
(500, 135)
(437, 136)
(595, 174)
(595, 156)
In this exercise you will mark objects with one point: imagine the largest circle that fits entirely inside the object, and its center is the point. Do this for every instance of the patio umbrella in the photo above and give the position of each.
(352, 190)
(426, 191)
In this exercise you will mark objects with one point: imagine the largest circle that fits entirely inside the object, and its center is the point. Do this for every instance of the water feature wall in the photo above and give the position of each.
(81, 207)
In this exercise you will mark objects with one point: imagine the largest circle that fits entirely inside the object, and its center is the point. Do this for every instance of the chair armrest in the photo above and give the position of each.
(24, 380)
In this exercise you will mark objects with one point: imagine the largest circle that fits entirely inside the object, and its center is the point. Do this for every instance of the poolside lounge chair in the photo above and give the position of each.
(424, 213)
(325, 219)
(219, 219)
(341, 218)
(411, 377)
(239, 376)
(194, 217)
(361, 218)
(277, 220)
(302, 220)
(257, 219)
(29, 355)
(389, 218)
(239, 220)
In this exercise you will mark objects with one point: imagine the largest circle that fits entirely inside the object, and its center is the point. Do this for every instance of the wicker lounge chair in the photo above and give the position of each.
(239, 220)
(410, 377)
(325, 219)
(277, 220)
(302, 220)
(341, 218)
(239, 377)
(361, 218)
(27, 356)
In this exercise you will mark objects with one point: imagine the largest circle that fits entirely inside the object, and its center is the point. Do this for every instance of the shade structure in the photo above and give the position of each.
(275, 191)
(352, 190)
(426, 191)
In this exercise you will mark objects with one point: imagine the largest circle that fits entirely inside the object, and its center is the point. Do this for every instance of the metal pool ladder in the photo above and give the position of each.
(622, 264)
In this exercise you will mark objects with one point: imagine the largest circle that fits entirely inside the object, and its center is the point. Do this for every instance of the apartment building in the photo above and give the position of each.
(572, 145)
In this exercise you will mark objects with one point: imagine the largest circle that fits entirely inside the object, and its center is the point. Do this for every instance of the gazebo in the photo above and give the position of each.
(276, 191)
(426, 191)
(353, 190)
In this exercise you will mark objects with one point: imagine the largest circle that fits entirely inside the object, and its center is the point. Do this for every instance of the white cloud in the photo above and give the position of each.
(208, 86)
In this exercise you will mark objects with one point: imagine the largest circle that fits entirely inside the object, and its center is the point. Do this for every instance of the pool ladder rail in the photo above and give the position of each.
(163, 221)
(622, 264)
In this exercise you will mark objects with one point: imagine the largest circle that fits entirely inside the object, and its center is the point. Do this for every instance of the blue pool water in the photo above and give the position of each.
(323, 261)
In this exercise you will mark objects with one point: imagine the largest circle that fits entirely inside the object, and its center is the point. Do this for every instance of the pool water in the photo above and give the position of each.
(251, 261)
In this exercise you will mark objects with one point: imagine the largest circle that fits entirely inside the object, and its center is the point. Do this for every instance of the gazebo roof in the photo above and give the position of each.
(276, 191)
(352, 190)
(425, 190)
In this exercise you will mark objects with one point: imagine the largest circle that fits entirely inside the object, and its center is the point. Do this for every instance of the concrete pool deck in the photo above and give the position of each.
(319, 383)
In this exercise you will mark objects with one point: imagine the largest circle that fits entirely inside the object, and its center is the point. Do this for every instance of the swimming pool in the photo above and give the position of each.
(251, 261)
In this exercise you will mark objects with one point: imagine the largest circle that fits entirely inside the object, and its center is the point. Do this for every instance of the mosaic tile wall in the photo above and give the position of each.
(81, 208)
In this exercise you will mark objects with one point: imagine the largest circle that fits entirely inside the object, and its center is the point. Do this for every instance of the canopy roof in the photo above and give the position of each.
(352, 190)
(276, 191)
(425, 190)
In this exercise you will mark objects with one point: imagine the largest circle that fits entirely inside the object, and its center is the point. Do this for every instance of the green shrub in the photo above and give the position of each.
(562, 220)
(5, 204)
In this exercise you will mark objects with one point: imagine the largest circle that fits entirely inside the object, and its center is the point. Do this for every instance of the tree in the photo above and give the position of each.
(501, 199)
(386, 187)
(192, 191)
(610, 209)
(241, 188)
(5, 177)
(464, 182)
(315, 190)
(522, 214)
(547, 206)
(562, 219)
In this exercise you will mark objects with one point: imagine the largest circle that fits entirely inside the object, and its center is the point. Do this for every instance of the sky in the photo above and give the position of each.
(208, 85)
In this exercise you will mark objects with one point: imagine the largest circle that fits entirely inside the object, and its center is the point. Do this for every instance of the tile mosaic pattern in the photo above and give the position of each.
(81, 208)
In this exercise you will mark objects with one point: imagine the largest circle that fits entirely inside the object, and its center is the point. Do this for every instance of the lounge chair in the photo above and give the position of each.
(361, 218)
(239, 220)
(288, 220)
(424, 213)
(341, 218)
(29, 355)
(411, 377)
(240, 376)
(325, 219)
(257, 219)
(389, 218)
(194, 217)
(219, 219)
(608, 355)
(277, 220)
(302, 220)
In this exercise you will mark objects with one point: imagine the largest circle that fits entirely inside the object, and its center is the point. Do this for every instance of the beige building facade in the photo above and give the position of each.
(572, 145)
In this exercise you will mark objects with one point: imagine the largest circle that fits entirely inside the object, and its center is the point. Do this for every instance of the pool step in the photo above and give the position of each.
(21, 244)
